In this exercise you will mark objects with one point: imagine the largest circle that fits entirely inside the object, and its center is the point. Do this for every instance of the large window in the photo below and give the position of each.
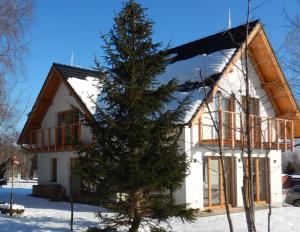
(227, 105)
(213, 194)
(68, 128)
(255, 120)
(260, 179)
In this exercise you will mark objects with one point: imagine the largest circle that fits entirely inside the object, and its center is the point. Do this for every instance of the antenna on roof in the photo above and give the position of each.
(229, 19)
(72, 58)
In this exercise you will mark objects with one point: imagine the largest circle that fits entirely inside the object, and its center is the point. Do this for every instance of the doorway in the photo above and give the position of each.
(213, 194)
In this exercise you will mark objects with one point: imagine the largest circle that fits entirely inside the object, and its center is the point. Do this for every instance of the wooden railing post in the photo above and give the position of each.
(292, 136)
(232, 130)
(269, 134)
(221, 128)
(241, 129)
(49, 134)
(278, 133)
(252, 132)
(200, 129)
(285, 136)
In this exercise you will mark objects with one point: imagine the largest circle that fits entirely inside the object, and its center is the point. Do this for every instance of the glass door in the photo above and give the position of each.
(213, 194)
(260, 179)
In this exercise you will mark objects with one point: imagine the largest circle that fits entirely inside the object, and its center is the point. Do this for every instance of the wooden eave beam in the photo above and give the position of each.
(46, 102)
(290, 116)
(278, 70)
(261, 77)
(43, 101)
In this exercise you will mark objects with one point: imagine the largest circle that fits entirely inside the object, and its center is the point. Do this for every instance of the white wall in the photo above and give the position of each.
(62, 101)
(192, 189)
(275, 177)
(63, 168)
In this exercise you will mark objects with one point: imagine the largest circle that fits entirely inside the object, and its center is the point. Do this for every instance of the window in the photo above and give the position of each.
(68, 127)
(253, 106)
(224, 103)
(255, 120)
(227, 105)
(53, 170)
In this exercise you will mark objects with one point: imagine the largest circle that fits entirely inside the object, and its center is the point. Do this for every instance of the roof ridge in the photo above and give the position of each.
(75, 67)
(252, 23)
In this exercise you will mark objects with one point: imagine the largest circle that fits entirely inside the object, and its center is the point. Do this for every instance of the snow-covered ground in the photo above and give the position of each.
(43, 215)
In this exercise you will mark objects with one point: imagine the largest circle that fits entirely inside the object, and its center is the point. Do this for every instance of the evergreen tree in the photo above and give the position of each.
(135, 160)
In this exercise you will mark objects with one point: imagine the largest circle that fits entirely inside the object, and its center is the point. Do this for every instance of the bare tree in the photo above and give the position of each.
(290, 55)
(15, 17)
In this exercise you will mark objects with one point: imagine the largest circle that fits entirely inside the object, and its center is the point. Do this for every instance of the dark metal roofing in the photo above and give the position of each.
(231, 38)
(67, 71)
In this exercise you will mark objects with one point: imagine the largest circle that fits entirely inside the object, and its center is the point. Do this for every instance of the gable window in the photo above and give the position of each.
(226, 105)
(253, 105)
(255, 120)
(68, 127)
(53, 170)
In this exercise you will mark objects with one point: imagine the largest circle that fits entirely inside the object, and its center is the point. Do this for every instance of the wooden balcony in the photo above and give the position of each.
(229, 128)
(56, 139)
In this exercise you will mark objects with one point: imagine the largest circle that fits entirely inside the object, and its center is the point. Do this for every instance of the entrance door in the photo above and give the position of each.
(260, 179)
(213, 181)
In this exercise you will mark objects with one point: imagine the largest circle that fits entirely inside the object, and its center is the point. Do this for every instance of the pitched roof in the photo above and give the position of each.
(217, 51)
(67, 71)
(227, 39)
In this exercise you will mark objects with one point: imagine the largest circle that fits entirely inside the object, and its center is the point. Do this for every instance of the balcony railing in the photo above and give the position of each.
(60, 138)
(229, 128)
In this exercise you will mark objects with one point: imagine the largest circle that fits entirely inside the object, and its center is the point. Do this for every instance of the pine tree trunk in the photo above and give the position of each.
(136, 217)
(135, 224)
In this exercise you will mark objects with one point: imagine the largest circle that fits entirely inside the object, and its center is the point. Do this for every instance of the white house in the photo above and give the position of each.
(215, 65)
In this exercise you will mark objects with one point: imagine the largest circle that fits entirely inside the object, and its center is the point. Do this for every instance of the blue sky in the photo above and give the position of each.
(62, 26)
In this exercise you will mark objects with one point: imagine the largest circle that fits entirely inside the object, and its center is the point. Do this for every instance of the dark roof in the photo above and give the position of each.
(67, 71)
(232, 38)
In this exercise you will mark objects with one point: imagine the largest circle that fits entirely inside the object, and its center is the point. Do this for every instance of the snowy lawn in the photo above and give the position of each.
(44, 215)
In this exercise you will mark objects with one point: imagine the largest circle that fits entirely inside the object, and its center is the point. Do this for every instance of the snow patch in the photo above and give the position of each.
(86, 89)
(14, 206)
(189, 69)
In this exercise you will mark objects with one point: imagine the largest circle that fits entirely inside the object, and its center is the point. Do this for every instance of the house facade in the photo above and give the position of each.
(216, 119)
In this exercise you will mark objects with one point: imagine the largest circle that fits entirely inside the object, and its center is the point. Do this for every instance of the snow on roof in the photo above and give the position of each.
(189, 70)
(86, 89)
(182, 71)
